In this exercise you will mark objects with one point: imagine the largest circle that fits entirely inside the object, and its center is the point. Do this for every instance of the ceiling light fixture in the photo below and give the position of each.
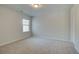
(36, 5)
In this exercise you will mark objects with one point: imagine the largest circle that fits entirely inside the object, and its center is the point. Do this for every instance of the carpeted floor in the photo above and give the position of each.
(38, 46)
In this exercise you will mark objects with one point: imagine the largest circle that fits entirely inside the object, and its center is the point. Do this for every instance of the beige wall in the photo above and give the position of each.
(11, 26)
(53, 24)
(75, 27)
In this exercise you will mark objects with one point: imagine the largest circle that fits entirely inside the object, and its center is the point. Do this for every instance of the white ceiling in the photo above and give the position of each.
(29, 10)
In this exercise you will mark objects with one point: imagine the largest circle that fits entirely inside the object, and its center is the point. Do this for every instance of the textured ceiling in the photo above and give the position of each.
(46, 8)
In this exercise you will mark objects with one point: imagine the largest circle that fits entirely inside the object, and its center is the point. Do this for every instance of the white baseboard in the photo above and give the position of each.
(9, 42)
(13, 41)
(54, 38)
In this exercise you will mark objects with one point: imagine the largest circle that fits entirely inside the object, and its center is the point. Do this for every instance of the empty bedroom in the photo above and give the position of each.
(39, 29)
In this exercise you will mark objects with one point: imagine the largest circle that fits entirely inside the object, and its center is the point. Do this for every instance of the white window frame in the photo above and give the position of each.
(26, 25)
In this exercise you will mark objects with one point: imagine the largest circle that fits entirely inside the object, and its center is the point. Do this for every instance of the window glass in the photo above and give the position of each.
(26, 25)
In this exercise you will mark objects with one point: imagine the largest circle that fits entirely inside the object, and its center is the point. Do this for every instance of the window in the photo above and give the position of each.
(26, 25)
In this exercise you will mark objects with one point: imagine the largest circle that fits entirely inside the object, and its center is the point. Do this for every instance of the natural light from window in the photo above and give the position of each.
(26, 25)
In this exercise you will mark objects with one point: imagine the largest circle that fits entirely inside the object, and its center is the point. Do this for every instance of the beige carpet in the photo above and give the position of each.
(39, 46)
